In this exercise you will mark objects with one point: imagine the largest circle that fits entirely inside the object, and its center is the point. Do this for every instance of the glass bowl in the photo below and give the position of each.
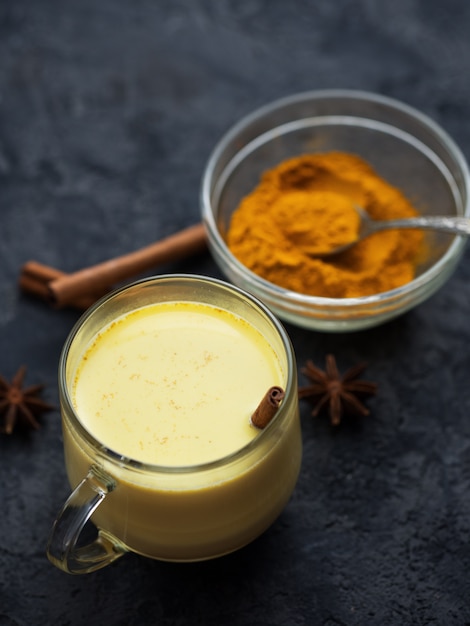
(404, 146)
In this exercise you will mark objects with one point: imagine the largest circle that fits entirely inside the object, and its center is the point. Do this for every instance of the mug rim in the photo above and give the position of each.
(70, 414)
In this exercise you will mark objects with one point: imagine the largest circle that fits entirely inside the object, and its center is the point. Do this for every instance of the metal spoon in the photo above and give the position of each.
(369, 226)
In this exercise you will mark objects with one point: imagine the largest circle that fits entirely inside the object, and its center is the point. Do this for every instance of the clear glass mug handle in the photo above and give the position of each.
(63, 548)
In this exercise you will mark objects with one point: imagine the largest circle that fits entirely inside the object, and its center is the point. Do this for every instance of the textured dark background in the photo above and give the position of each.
(108, 112)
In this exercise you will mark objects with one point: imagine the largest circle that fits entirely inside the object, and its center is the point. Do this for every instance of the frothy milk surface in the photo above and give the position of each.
(175, 383)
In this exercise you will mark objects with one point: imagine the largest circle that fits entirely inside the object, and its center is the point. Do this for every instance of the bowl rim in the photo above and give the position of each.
(271, 289)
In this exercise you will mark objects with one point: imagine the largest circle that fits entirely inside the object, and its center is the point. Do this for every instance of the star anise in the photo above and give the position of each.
(341, 394)
(20, 405)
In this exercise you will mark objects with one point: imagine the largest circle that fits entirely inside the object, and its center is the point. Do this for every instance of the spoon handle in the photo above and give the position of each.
(456, 225)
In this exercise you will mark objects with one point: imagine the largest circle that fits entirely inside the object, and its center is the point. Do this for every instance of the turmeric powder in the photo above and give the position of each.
(305, 205)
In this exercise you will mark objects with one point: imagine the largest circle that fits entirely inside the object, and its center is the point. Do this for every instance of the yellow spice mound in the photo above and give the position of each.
(305, 206)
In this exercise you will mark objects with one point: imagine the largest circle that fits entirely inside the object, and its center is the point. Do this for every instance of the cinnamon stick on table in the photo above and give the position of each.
(35, 278)
(66, 289)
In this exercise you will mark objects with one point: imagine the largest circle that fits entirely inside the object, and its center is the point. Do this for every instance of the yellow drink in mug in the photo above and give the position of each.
(157, 384)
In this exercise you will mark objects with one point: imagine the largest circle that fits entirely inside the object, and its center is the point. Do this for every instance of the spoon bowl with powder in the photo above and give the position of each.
(368, 226)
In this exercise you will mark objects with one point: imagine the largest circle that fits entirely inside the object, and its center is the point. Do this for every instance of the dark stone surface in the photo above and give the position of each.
(108, 113)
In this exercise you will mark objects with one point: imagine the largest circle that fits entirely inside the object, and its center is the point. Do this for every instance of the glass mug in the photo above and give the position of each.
(174, 513)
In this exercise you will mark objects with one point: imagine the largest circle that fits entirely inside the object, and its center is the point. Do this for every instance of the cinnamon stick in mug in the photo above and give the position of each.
(268, 407)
